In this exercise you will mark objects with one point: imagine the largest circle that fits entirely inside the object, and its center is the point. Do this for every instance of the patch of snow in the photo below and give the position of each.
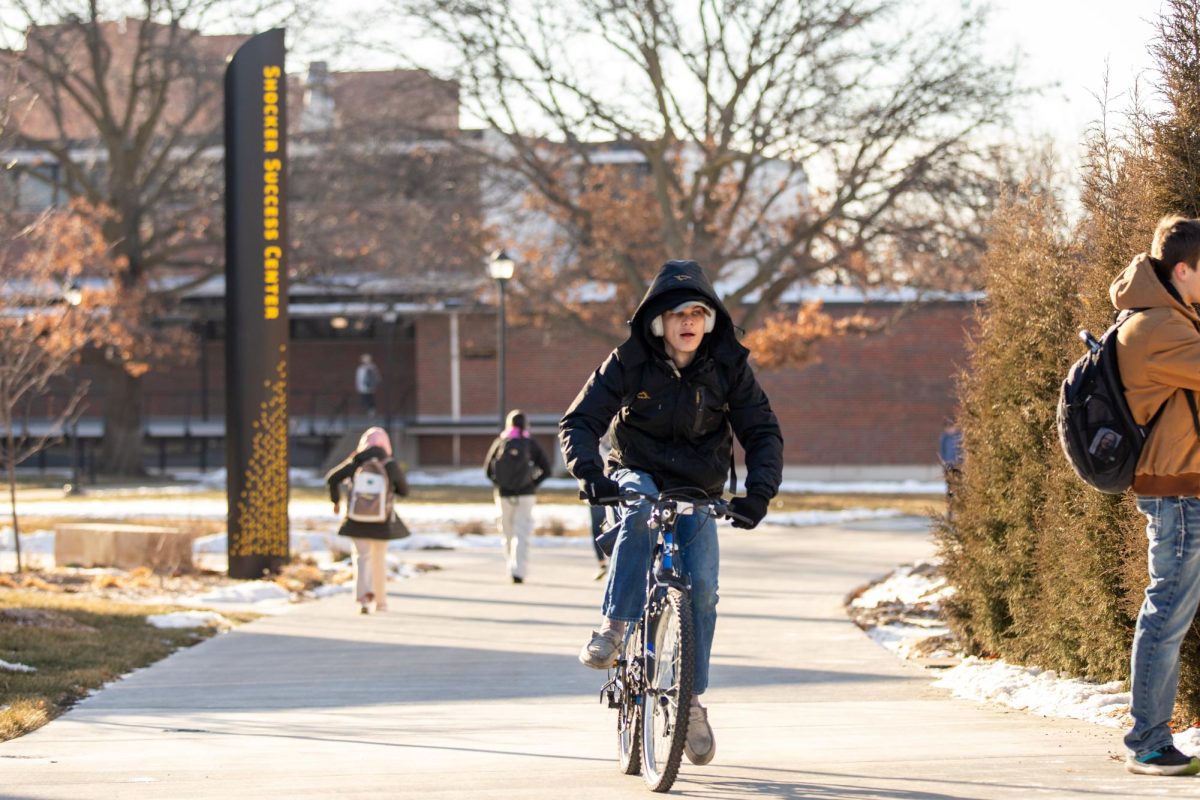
(249, 592)
(906, 585)
(1043, 692)
(32, 542)
(864, 487)
(187, 619)
(330, 589)
(217, 478)
(454, 541)
(903, 639)
(801, 519)
(11, 667)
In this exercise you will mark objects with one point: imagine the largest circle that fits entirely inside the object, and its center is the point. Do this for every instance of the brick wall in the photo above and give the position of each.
(873, 400)
(545, 369)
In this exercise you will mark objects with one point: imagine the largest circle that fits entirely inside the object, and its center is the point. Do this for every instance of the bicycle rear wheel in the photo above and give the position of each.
(670, 655)
(629, 710)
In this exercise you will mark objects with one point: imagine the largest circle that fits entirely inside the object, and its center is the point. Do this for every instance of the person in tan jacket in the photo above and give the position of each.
(1158, 351)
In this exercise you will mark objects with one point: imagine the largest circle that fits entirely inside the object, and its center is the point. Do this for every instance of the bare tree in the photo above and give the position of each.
(377, 189)
(775, 142)
(119, 103)
(57, 281)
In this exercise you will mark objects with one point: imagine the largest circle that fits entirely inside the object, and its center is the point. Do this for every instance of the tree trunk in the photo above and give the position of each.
(121, 449)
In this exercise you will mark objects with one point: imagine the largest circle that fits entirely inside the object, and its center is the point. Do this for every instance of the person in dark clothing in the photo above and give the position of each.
(516, 465)
(679, 389)
(370, 538)
(950, 455)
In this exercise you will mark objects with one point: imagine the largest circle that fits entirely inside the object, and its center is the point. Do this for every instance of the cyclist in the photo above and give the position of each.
(674, 393)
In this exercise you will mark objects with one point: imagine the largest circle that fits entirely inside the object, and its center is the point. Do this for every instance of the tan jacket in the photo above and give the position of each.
(1159, 355)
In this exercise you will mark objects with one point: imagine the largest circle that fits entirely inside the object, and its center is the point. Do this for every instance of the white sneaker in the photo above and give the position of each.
(700, 745)
(601, 650)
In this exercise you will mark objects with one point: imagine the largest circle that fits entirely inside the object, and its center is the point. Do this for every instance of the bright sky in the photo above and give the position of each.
(1065, 45)
(1071, 43)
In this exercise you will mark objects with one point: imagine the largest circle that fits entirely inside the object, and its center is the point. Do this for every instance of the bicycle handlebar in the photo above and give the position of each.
(720, 507)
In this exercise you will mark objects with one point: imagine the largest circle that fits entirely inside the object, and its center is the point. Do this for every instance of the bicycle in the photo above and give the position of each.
(650, 686)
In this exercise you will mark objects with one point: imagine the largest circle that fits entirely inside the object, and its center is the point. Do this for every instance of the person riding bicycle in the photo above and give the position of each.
(674, 394)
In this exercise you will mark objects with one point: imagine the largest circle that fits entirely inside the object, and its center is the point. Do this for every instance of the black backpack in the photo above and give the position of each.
(1095, 426)
(513, 469)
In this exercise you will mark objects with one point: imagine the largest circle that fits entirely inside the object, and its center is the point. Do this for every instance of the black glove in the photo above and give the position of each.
(602, 488)
(752, 507)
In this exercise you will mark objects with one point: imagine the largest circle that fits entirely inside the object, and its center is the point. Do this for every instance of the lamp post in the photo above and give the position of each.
(72, 294)
(500, 267)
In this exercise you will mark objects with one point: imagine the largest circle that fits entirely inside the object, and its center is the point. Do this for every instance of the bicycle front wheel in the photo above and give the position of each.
(670, 660)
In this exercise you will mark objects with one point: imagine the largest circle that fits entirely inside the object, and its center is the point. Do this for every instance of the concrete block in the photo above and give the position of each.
(122, 545)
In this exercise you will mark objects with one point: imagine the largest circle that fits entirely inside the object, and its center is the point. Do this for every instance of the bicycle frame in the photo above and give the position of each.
(651, 714)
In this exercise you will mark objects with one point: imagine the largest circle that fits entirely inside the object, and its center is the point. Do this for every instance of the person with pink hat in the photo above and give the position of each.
(374, 480)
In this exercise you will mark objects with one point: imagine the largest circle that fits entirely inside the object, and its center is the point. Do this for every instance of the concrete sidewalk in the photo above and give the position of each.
(469, 688)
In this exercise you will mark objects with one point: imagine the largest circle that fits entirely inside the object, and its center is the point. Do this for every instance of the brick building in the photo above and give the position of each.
(872, 405)
(415, 304)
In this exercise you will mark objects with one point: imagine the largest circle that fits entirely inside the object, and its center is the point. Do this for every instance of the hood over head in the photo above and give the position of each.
(1139, 287)
(375, 437)
(676, 284)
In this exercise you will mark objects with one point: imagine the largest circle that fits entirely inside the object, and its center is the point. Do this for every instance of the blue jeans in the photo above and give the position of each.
(1171, 599)
(699, 556)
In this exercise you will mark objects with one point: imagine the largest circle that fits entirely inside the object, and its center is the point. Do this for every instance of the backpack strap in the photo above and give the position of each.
(1191, 400)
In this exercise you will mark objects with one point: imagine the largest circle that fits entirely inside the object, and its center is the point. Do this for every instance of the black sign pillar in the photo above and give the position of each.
(256, 317)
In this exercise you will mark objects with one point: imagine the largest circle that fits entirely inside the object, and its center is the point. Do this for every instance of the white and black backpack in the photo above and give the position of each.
(371, 493)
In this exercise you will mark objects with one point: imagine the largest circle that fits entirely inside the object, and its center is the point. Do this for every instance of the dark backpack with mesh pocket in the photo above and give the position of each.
(1095, 426)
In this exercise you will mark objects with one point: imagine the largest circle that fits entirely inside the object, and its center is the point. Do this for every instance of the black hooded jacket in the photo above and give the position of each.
(678, 426)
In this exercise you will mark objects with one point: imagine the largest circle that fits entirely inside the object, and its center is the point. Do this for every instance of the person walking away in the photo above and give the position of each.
(516, 465)
(675, 393)
(375, 480)
(366, 383)
(1159, 363)
(950, 456)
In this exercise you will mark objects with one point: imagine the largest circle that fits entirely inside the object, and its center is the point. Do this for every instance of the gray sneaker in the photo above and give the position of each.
(700, 745)
(601, 651)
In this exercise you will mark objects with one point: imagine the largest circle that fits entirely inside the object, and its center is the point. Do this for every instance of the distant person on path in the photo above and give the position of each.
(375, 480)
(679, 388)
(366, 383)
(950, 455)
(516, 465)
(1160, 368)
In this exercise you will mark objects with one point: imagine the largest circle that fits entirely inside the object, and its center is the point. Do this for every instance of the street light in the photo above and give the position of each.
(72, 294)
(500, 267)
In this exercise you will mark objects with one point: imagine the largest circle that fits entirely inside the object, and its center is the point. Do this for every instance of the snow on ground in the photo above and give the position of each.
(905, 639)
(802, 519)
(864, 487)
(248, 592)
(473, 476)
(187, 619)
(1044, 692)
(909, 584)
(913, 590)
(13, 667)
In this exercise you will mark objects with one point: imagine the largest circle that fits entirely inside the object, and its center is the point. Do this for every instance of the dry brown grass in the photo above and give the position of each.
(77, 644)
